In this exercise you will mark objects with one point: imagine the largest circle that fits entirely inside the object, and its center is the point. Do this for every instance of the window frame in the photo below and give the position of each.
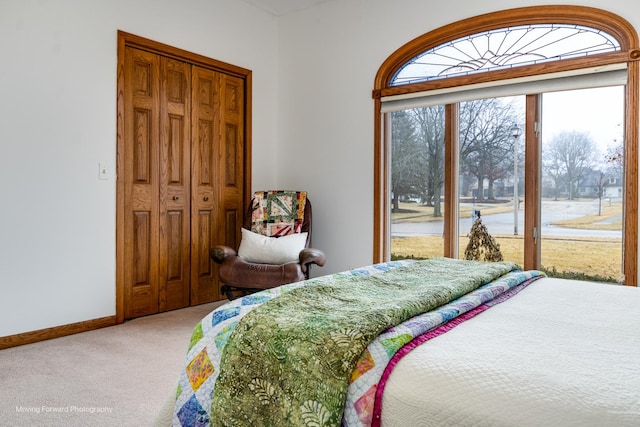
(629, 54)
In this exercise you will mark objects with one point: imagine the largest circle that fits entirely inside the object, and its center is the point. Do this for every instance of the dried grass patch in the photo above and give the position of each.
(609, 219)
(591, 256)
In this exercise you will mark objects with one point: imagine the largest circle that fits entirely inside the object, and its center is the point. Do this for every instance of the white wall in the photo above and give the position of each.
(313, 74)
(58, 120)
(329, 56)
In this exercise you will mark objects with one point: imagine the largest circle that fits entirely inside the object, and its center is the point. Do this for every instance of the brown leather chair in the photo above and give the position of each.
(240, 277)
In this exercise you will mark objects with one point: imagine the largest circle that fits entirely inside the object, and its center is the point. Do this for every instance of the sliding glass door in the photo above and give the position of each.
(562, 170)
(582, 183)
(417, 182)
(491, 184)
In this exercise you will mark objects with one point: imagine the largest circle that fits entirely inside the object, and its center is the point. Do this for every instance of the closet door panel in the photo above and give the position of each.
(205, 172)
(175, 184)
(231, 149)
(141, 183)
(204, 265)
(232, 224)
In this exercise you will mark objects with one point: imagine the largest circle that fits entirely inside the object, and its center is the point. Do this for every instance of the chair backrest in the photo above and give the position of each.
(278, 213)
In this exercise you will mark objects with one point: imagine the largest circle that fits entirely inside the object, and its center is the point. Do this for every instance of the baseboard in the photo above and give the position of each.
(55, 332)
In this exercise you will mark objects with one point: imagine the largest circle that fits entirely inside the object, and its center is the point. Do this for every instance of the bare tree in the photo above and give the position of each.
(486, 148)
(601, 187)
(406, 158)
(430, 132)
(614, 156)
(555, 169)
(569, 155)
(486, 145)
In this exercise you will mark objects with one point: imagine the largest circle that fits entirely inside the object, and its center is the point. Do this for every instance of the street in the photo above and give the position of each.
(502, 223)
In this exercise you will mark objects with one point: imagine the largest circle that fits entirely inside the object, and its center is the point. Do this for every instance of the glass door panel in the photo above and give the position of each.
(582, 183)
(417, 183)
(491, 179)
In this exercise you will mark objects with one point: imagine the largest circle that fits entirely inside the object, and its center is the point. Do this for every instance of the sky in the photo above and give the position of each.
(599, 111)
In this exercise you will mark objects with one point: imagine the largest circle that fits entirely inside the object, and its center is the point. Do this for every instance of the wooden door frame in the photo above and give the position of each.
(131, 40)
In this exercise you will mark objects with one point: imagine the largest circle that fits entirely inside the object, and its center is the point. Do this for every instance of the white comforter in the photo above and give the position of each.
(560, 353)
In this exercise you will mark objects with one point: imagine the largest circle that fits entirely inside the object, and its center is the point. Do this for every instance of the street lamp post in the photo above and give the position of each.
(515, 134)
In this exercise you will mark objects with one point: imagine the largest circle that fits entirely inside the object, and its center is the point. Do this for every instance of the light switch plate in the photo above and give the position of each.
(103, 171)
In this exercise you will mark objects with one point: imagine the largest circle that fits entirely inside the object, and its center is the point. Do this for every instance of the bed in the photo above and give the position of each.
(499, 347)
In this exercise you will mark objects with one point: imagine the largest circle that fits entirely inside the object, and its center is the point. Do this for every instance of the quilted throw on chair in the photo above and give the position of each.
(278, 213)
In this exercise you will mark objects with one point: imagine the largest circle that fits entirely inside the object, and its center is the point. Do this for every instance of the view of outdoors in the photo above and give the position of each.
(581, 180)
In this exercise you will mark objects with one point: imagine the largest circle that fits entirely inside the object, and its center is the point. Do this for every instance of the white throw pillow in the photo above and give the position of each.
(261, 249)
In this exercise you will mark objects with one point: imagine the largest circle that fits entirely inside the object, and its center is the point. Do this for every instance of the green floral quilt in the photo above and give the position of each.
(288, 361)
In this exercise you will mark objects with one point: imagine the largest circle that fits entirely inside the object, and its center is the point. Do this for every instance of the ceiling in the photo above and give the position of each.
(284, 7)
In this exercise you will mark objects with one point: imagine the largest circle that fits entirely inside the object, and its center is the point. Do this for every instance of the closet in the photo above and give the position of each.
(182, 173)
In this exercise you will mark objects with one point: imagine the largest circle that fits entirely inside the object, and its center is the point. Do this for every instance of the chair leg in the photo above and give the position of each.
(226, 289)
(232, 292)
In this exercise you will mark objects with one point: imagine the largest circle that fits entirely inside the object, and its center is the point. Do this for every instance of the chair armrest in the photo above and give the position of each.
(219, 253)
(311, 256)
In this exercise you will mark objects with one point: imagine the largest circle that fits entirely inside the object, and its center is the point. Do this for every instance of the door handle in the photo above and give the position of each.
(205, 198)
(176, 198)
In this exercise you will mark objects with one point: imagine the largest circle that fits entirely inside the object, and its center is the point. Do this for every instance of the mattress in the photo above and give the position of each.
(560, 353)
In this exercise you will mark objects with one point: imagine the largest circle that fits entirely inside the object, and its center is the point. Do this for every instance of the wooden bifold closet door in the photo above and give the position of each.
(180, 179)
(216, 174)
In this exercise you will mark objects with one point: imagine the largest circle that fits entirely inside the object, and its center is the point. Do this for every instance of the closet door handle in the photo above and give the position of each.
(205, 198)
(176, 198)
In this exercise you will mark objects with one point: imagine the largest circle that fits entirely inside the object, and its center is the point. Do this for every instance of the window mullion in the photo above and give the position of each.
(533, 183)
(451, 181)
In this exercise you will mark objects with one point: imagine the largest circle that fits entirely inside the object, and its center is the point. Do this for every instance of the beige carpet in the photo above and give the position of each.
(117, 376)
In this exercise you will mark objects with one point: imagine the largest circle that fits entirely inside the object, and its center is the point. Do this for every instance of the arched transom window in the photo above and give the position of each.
(504, 48)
